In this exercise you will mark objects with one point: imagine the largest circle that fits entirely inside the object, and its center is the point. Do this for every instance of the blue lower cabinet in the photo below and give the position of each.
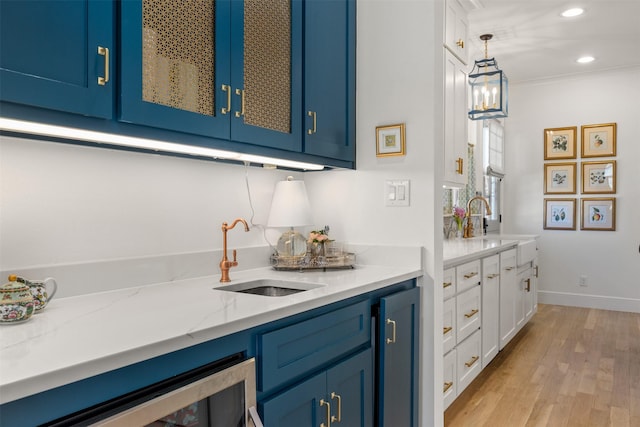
(58, 55)
(398, 370)
(341, 394)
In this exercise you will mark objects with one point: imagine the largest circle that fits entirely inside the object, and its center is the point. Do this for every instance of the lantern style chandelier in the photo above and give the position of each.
(489, 87)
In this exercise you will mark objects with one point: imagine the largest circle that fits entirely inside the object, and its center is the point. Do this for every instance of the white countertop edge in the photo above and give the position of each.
(15, 385)
(468, 250)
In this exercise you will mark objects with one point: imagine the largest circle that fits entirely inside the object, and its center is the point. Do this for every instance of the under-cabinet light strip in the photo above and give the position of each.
(35, 128)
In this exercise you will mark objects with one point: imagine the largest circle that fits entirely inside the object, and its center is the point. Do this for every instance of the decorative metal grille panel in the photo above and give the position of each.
(178, 54)
(267, 64)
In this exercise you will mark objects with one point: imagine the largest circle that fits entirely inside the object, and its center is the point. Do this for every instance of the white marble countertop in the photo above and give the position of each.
(459, 251)
(81, 336)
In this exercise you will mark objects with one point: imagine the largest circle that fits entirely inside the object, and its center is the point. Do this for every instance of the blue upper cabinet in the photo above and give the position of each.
(58, 55)
(330, 78)
(225, 69)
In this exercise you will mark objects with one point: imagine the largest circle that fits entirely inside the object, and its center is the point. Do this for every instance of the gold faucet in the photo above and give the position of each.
(468, 229)
(225, 264)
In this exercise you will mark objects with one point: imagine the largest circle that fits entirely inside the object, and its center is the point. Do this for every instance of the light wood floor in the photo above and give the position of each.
(567, 367)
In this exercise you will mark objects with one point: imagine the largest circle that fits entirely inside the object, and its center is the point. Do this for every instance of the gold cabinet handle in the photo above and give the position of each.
(446, 330)
(460, 43)
(470, 275)
(393, 331)
(470, 363)
(447, 386)
(471, 313)
(314, 129)
(492, 276)
(104, 51)
(509, 268)
(528, 288)
(536, 271)
(336, 396)
(446, 284)
(459, 167)
(227, 109)
(328, 405)
(240, 92)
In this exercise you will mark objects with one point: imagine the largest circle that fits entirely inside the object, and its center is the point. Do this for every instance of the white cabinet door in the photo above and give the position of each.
(490, 308)
(450, 380)
(449, 325)
(508, 296)
(468, 314)
(455, 29)
(468, 364)
(455, 121)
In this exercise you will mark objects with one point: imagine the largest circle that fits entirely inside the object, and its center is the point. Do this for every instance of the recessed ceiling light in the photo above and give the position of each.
(585, 59)
(570, 13)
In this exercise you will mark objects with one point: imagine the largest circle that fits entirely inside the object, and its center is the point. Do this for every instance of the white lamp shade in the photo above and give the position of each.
(290, 205)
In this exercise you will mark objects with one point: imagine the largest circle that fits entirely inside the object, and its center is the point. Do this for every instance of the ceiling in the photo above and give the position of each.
(531, 41)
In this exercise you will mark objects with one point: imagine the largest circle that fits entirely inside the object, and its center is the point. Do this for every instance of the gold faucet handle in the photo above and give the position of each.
(234, 255)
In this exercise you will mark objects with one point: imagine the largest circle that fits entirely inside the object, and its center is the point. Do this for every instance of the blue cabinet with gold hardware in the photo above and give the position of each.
(58, 55)
(341, 394)
(227, 69)
(329, 77)
(398, 368)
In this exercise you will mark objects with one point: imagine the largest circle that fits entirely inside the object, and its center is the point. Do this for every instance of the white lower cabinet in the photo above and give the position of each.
(490, 308)
(449, 325)
(450, 388)
(508, 296)
(468, 364)
(468, 316)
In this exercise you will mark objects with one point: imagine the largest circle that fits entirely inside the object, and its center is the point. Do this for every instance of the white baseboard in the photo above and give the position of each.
(589, 301)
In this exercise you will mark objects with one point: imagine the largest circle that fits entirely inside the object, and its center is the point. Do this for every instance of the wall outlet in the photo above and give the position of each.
(583, 281)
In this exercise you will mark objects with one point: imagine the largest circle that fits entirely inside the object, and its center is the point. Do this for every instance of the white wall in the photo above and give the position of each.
(608, 259)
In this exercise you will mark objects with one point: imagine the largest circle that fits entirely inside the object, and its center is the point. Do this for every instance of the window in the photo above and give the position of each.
(493, 163)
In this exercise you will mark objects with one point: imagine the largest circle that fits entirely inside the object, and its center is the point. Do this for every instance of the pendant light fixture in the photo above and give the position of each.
(489, 87)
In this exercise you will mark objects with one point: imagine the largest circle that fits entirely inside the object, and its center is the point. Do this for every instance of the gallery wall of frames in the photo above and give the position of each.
(594, 173)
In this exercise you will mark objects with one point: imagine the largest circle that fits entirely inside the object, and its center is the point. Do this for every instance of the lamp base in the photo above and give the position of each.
(291, 243)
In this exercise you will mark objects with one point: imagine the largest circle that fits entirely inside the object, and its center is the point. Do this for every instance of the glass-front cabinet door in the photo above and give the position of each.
(226, 69)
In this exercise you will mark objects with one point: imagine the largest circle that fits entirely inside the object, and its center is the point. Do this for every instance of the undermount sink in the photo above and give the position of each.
(269, 287)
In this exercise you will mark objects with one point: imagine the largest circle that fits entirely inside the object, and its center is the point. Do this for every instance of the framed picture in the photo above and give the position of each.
(599, 177)
(599, 214)
(559, 214)
(560, 178)
(599, 140)
(390, 140)
(560, 143)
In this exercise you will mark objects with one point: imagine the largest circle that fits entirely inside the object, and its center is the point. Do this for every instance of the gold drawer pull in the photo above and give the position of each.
(240, 93)
(393, 331)
(460, 43)
(227, 109)
(104, 51)
(447, 284)
(328, 405)
(471, 313)
(528, 285)
(471, 362)
(492, 276)
(470, 275)
(447, 386)
(336, 396)
(509, 268)
(314, 129)
(446, 330)
(459, 166)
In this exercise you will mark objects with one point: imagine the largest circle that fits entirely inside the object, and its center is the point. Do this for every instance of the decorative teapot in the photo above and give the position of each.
(16, 302)
(41, 296)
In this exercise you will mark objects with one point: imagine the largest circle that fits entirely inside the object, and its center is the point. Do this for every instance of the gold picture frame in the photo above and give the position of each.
(390, 140)
(560, 178)
(598, 214)
(599, 177)
(599, 140)
(559, 214)
(560, 143)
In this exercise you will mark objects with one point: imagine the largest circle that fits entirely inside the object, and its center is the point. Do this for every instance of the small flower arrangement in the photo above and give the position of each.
(458, 216)
(318, 236)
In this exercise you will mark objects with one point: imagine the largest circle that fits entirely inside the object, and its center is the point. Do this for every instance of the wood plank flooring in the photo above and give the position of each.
(568, 366)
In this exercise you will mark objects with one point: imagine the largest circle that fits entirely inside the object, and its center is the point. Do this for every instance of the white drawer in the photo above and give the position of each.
(469, 363)
(449, 325)
(468, 315)
(468, 275)
(449, 283)
(449, 376)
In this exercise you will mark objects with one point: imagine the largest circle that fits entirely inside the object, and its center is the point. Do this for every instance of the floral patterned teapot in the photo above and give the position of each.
(16, 302)
(42, 291)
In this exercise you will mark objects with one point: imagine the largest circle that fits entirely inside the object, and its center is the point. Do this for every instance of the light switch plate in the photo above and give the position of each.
(396, 192)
